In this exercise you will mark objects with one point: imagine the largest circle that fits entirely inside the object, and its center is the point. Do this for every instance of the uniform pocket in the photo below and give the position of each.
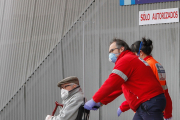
(132, 97)
(146, 106)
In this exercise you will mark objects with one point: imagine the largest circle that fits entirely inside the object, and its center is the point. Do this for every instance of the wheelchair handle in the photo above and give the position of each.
(96, 107)
(57, 104)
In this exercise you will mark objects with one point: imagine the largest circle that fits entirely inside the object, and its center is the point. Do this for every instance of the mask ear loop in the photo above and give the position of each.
(140, 48)
(77, 86)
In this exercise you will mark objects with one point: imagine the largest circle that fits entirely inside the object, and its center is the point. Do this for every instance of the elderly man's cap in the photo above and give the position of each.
(71, 79)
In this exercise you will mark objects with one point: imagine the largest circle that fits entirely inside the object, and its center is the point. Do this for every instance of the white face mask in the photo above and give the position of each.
(64, 94)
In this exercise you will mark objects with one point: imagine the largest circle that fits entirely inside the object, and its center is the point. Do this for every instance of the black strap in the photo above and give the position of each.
(82, 112)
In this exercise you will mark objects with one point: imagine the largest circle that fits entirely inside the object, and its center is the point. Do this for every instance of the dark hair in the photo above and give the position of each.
(120, 43)
(146, 46)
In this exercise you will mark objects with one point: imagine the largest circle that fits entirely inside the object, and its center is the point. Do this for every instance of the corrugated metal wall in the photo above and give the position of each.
(104, 20)
(30, 29)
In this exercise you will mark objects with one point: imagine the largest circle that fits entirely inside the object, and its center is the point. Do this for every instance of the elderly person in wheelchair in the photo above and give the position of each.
(73, 100)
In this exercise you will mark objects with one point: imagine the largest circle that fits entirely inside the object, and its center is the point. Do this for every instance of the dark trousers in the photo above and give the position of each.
(151, 109)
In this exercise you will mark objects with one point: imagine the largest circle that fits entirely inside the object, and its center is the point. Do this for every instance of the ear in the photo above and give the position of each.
(121, 49)
(141, 53)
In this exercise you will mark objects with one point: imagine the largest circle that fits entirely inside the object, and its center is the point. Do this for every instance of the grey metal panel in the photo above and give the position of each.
(74, 10)
(42, 90)
(2, 2)
(14, 110)
(13, 30)
(30, 29)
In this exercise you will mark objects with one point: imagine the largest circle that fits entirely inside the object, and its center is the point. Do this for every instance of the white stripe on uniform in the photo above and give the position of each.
(121, 74)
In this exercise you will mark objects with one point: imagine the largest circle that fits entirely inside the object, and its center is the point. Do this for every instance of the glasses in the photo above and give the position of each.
(112, 50)
(64, 87)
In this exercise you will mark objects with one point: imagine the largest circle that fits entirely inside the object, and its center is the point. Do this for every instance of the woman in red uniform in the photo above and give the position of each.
(143, 50)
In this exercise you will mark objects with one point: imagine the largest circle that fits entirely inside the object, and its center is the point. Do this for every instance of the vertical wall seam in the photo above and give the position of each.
(24, 101)
(64, 19)
(100, 71)
(2, 18)
(31, 37)
(1, 33)
(63, 37)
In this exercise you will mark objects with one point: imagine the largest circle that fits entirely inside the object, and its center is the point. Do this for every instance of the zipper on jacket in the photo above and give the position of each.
(134, 94)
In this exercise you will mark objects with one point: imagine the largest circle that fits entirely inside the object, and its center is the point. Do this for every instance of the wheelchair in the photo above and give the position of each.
(83, 114)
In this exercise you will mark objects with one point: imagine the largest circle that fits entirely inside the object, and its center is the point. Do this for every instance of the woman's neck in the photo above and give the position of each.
(144, 56)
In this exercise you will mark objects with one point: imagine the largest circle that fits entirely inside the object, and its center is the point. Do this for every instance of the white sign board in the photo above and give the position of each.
(159, 16)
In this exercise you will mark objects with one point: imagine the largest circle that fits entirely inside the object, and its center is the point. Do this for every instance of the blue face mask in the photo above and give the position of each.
(112, 57)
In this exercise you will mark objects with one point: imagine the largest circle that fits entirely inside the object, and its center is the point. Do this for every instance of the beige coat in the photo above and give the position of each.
(71, 105)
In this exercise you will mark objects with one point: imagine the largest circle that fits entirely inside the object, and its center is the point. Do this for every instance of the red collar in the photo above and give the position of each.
(147, 57)
(122, 54)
